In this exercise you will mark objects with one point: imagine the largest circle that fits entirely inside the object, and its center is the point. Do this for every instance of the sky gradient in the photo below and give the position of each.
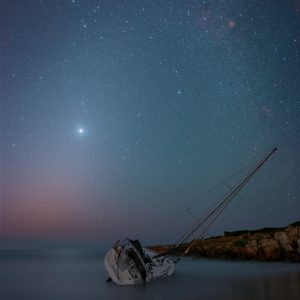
(117, 116)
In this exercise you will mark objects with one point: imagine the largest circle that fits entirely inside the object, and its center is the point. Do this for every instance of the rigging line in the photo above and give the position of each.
(236, 190)
(183, 207)
(189, 211)
(165, 223)
(231, 188)
(239, 171)
(208, 225)
(214, 187)
(180, 210)
(179, 228)
(224, 205)
(169, 220)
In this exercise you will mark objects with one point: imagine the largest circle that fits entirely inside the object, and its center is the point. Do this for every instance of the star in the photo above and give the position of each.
(81, 131)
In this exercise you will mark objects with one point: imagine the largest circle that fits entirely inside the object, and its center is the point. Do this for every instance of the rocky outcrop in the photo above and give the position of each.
(283, 244)
(268, 244)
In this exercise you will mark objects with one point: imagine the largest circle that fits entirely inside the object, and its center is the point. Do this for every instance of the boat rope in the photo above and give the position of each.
(215, 212)
(228, 198)
(167, 221)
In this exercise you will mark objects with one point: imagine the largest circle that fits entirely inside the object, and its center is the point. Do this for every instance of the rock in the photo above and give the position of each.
(298, 243)
(283, 240)
(281, 237)
(251, 249)
(270, 248)
(265, 244)
(292, 232)
(252, 243)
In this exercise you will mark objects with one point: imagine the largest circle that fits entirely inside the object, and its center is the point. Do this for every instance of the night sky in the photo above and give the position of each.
(117, 116)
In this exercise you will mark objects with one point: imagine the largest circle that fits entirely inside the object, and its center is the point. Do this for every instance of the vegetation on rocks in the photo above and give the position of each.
(267, 244)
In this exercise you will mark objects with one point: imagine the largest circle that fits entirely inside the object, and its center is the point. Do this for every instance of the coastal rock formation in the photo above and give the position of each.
(268, 244)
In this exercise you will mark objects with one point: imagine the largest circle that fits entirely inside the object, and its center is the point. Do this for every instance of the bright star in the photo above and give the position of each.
(81, 131)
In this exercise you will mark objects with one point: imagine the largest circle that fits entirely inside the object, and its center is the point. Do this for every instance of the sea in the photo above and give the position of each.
(64, 275)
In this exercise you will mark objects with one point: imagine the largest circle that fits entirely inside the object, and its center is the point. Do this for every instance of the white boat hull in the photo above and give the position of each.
(124, 271)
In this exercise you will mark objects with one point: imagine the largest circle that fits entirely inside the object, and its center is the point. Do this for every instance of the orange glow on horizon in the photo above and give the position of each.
(51, 211)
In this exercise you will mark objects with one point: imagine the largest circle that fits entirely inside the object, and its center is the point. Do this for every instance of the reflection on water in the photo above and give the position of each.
(78, 275)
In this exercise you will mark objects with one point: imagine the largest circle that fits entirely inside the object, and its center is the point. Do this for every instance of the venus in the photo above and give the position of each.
(81, 131)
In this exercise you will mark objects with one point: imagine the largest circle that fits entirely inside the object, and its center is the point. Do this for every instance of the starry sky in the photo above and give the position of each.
(121, 117)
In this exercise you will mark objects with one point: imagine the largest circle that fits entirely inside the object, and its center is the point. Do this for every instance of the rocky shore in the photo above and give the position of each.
(267, 244)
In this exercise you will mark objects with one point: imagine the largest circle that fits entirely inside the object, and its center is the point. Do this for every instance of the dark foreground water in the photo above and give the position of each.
(75, 275)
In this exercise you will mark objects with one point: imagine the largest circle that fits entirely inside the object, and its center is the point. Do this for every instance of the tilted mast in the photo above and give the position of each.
(221, 206)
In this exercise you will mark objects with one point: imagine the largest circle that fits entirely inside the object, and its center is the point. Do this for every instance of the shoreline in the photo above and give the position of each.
(267, 244)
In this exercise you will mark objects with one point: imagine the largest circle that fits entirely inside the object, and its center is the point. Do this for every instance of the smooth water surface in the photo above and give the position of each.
(64, 275)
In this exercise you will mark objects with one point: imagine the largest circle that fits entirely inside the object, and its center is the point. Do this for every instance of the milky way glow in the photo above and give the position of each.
(124, 111)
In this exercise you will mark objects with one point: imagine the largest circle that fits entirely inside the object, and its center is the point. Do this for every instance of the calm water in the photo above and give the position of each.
(75, 275)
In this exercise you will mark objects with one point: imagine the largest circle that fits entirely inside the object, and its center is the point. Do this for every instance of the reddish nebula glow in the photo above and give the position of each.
(231, 24)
